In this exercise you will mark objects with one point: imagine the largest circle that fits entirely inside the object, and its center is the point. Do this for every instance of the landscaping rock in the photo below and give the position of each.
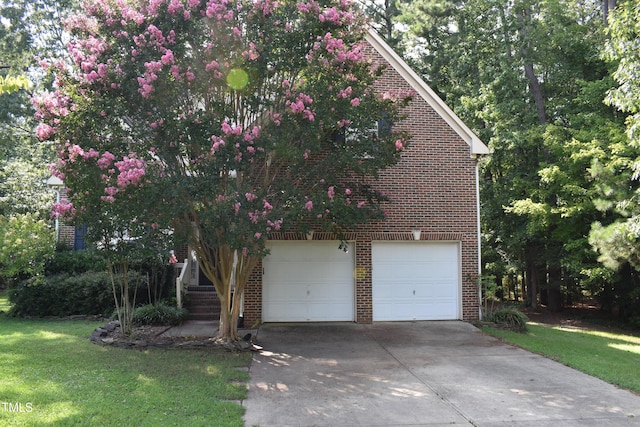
(151, 337)
(111, 326)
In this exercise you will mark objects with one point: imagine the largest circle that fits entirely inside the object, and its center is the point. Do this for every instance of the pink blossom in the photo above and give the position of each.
(174, 7)
(131, 171)
(267, 205)
(361, 204)
(229, 130)
(217, 143)
(296, 107)
(91, 154)
(44, 131)
(250, 197)
(75, 151)
(63, 209)
(257, 235)
(347, 192)
(399, 145)
(175, 72)
(236, 207)
(331, 192)
(167, 58)
(309, 205)
(105, 161)
(112, 191)
(330, 15)
(355, 102)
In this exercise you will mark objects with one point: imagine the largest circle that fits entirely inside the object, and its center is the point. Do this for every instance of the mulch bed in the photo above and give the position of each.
(151, 337)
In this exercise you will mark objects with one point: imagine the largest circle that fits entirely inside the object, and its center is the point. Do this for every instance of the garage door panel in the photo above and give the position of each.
(415, 280)
(308, 281)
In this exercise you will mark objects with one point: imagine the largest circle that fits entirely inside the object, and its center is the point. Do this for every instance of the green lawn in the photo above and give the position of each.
(50, 374)
(4, 301)
(612, 357)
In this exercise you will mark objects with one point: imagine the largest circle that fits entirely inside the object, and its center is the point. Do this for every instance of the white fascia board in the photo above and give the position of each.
(477, 147)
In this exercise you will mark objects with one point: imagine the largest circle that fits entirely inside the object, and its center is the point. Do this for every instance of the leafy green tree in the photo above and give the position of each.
(28, 29)
(26, 243)
(528, 77)
(616, 240)
(222, 121)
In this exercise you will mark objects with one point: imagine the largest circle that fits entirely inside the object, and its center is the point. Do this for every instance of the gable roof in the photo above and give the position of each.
(411, 77)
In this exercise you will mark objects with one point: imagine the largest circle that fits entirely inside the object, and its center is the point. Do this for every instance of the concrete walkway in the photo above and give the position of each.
(419, 374)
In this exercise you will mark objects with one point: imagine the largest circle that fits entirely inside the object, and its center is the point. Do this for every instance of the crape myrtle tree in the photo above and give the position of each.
(222, 120)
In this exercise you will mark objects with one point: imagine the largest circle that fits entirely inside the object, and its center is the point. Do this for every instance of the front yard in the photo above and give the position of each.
(52, 375)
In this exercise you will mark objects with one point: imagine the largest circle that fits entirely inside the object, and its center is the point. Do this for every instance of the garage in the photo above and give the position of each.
(415, 280)
(308, 281)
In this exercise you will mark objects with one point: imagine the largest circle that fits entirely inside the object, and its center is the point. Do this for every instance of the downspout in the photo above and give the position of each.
(479, 234)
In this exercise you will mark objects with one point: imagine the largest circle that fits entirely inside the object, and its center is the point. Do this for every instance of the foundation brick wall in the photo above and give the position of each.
(432, 189)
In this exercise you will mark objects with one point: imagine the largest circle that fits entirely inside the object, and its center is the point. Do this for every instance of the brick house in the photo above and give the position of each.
(420, 263)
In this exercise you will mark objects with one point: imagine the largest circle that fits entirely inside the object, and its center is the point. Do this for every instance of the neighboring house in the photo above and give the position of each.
(420, 263)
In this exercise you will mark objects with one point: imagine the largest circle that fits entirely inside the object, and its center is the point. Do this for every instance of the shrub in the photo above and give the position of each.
(159, 314)
(509, 318)
(65, 295)
(75, 262)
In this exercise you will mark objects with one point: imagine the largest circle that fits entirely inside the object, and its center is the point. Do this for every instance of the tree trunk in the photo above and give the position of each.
(532, 277)
(607, 6)
(554, 292)
(220, 264)
(529, 72)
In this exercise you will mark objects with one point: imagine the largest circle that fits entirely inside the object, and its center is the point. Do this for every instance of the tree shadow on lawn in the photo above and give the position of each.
(69, 381)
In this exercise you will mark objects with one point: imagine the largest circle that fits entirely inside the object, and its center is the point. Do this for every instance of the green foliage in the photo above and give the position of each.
(159, 314)
(10, 84)
(28, 30)
(75, 262)
(509, 318)
(64, 295)
(539, 190)
(26, 243)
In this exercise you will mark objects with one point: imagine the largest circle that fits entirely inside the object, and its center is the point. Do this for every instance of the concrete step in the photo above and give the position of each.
(202, 304)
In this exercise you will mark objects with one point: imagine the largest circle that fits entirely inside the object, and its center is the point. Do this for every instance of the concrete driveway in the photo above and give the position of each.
(419, 374)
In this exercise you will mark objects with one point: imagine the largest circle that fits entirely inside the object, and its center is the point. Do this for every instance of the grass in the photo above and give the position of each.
(51, 374)
(612, 357)
(4, 302)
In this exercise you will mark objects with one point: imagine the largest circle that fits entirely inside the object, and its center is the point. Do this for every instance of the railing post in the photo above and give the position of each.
(180, 281)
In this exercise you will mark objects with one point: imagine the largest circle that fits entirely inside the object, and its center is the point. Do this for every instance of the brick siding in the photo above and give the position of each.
(432, 189)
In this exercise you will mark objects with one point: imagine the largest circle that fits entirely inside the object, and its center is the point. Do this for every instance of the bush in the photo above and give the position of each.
(159, 314)
(65, 295)
(75, 262)
(509, 318)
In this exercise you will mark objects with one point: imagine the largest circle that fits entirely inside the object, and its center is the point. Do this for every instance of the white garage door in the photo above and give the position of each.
(309, 281)
(415, 281)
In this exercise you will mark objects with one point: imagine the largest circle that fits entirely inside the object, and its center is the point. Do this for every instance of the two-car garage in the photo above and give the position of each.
(314, 281)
